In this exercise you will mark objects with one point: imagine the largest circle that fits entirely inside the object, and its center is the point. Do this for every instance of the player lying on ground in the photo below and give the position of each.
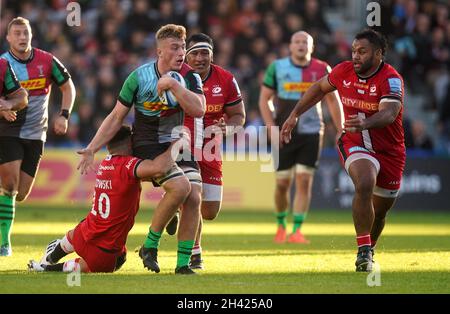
(100, 239)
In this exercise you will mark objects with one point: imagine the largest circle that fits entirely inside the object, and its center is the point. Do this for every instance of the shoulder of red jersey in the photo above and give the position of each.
(389, 70)
(224, 74)
(130, 162)
(227, 80)
(391, 83)
(127, 163)
(339, 71)
(344, 67)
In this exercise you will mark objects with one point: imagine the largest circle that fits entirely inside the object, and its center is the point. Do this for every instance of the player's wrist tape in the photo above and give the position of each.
(65, 113)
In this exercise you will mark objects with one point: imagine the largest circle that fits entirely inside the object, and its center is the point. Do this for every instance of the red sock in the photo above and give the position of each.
(363, 240)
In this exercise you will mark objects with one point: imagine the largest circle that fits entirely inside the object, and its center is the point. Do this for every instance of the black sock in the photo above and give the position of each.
(56, 267)
(56, 255)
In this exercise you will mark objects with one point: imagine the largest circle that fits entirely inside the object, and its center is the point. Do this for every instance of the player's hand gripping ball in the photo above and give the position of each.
(167, 97)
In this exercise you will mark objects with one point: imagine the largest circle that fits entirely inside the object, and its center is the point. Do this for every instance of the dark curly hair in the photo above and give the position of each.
(123, 134)
(377, 40)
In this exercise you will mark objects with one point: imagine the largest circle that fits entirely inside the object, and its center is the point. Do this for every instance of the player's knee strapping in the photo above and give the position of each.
(193, 175)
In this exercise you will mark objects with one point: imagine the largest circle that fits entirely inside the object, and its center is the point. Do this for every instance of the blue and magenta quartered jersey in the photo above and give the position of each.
(8, 80)
(35, 75)
(290, 82)
(154, 121)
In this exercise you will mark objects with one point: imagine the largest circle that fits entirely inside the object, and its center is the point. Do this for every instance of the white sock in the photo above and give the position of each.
(66, 245)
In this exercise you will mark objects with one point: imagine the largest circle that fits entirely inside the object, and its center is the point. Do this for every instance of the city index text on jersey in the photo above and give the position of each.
(359, 104)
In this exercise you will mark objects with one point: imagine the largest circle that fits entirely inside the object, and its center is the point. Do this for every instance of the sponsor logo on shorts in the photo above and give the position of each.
(357, 149)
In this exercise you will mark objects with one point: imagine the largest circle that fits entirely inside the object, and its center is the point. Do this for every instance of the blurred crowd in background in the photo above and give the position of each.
(117, 36)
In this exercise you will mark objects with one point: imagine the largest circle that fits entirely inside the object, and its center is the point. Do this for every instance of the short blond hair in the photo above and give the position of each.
(18, 21)
(171, 31)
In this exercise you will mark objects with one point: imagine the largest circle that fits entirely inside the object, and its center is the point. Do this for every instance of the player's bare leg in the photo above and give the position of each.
(189, 222)
(25, 185)
(363, 174)
(177, 189)
(282, 189)
(381, 206)
(209, 211)
(302, 200)
(9, 178)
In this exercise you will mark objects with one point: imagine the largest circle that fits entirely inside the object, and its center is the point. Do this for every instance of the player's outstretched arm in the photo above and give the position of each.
(14, 101)
(387, 112)
(105, 133)
(68, 98)
(193, 104)
(312, 96)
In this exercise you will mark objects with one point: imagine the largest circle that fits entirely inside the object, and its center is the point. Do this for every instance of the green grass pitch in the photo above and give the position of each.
(240, 257)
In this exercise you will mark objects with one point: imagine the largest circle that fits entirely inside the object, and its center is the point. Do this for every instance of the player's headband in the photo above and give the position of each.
(198, 46)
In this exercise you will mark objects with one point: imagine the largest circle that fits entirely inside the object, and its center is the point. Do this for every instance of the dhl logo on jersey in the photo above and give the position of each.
(359, 104)
(213, 108)
(33, 84)
(155, 106)
(299, 87)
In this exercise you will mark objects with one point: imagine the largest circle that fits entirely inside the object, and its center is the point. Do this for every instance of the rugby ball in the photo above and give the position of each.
(167, 97)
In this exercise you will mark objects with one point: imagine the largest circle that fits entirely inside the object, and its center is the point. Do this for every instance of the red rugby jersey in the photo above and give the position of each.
(221, 90)
(362, 96)
(115, 203)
